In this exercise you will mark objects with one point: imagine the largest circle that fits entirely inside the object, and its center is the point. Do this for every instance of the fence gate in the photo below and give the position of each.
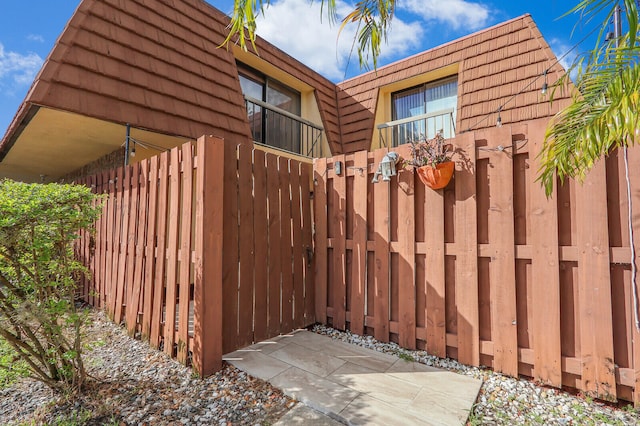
(267, 250)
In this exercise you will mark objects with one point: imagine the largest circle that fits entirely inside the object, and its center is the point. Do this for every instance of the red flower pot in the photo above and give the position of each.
(436, 177)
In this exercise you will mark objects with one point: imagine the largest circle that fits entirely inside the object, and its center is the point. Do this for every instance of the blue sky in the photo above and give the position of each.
(29, 29)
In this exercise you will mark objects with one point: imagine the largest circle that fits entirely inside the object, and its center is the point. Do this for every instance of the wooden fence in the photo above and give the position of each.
(204, 234)
(267, 269)
(487, 271)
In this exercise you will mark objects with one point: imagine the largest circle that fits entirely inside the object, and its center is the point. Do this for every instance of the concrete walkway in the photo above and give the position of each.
(353, 385)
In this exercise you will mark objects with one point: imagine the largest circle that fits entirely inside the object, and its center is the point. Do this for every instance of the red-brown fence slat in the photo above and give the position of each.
(230, 255)
(406, 259)
(88, 251)
(208, 248)
(634, 179)
(382, 248)
(79, 246)
(143, 229)
(185, 252)
(359, 250)
(77, 252)
(306, 171)
(78, 249)
(123, 240)
(103, 179)
(298, 251)
(137, 242)
(150, 248)
(286, 245)
(83, 254)
(160, 252)
(273, 204)
(434, 272)
(466, 275)
(320, 255)
(260, 229)
(502, 272)
(339, 220)
(545, 274)
(88, 258)
(105, 238)
(95, 247)
(246, 241)
(111, 264)
(130, 285)
(596, 336)
(172, 252)
(98, 252)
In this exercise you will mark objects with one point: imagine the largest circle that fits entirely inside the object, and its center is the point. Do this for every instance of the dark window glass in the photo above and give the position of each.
(269, 125)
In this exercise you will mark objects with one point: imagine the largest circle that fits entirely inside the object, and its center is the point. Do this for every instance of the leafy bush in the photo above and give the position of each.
(14, 367)
(429, 152)
(39, 317)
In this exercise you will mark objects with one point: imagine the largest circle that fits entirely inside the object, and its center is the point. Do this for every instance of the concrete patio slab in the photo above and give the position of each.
(268, 346)
(313, 361)
(365, 410)
(374, 360)
(436, 381)
(257, 363)
(380, 386)
(317, 392)
(353, 385)
(307, 416)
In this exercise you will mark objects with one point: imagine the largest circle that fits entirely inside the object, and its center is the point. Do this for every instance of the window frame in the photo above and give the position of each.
(422, 90)
(267, 83)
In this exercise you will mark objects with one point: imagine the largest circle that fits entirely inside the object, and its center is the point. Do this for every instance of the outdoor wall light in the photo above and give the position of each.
(386, 168)
(545, 86)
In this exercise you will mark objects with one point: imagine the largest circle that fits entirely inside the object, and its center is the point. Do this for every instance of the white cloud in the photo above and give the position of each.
(18, 68)
(456, 13)
(560, 49)
(297, 28)
(35, 37)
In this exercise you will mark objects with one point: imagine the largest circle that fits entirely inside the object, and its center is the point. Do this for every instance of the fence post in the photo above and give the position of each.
(466, 275)
(207, 320)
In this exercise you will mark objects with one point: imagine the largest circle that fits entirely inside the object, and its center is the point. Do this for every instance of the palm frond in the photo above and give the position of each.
(373, 18)
(242, 26)
(603, 114)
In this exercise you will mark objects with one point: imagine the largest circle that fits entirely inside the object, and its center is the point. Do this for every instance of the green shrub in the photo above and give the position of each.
(39, 317)
(11, 367)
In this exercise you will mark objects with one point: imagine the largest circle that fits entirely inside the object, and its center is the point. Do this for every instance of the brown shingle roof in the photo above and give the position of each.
(495, 64)
(156, 65)
(150, 64)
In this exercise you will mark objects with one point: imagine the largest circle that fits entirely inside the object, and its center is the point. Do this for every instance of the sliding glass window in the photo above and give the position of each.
(425, 110)
(269, 125)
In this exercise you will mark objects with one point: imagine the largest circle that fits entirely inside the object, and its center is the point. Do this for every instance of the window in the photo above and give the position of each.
(424, 110)
(271, 108)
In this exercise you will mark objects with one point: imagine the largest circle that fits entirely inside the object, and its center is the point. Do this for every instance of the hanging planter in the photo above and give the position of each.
(436, 177)
(432, 160)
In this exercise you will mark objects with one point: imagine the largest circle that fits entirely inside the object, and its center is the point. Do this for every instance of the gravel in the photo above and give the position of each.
(133, 384)
(506, 400)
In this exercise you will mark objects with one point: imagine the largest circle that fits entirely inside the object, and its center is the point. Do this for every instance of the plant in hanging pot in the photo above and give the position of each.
(432, 161)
